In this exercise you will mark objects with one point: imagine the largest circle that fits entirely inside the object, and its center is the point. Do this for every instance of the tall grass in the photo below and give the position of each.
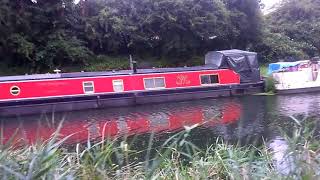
(176, 158)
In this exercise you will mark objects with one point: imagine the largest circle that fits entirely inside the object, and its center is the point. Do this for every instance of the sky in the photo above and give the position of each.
(269, 4)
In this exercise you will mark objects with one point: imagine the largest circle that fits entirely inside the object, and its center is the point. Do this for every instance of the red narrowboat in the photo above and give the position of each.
(225, 73)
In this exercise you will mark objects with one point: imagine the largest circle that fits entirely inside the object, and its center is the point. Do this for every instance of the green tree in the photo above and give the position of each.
(40, 35)
(171, 28)
(45, 34)
(297, 23)
(246, 23)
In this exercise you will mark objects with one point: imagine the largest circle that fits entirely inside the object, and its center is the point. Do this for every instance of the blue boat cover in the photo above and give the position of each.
(274, 67)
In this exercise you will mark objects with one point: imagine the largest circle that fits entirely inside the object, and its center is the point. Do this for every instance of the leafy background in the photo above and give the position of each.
(38, 36)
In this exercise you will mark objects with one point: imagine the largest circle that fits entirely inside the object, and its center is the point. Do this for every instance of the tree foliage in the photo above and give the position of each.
(45, 34)
(40, 34)
(293, 30)
(169, 27)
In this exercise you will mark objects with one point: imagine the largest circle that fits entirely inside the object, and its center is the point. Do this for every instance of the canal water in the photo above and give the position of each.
(245, 120)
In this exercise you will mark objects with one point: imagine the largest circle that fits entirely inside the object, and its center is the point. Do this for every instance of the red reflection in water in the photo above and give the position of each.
(32, 131)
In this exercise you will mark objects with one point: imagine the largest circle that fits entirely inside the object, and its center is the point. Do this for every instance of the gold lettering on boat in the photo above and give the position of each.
(182, 80)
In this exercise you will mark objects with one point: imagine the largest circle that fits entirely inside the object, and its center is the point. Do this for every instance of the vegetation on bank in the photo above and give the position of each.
(176, 158)
(264, 70)
(269, 81)
(103, 63)
(39, 36)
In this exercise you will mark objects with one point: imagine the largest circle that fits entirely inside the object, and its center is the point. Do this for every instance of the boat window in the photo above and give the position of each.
(15, 90)
(159, 82)
(118, 85)
(154, 83)
(205, 79)
(88, 87)
(149, 83)
(214, 79)
(209, 79)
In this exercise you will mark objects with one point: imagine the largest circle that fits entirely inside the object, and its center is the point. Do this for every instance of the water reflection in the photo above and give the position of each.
(99, 124)
(246, 120)
(283, 160)
(297, 104)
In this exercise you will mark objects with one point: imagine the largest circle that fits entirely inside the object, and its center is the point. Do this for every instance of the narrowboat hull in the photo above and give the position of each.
(63, 104)
(225, 73)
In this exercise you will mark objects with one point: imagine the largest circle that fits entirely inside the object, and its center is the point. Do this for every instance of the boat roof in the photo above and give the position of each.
(236, 52)
(102, 73)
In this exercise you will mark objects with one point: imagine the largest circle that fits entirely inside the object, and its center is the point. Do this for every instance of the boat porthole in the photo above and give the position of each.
(15, 90)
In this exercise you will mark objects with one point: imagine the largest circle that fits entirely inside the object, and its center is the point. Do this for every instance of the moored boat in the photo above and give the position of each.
(296, 77)
(225, 73)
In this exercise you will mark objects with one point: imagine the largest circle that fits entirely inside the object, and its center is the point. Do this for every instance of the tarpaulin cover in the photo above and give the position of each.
(275, 67)
(243, 62)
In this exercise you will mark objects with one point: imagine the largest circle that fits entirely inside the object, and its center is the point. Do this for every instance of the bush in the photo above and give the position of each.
(270, 84)
(104, 63)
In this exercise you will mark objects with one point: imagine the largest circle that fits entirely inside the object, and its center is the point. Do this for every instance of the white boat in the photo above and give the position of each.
(296, 77)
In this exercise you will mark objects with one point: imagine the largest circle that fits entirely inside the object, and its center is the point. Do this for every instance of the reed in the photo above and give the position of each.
(176, 158)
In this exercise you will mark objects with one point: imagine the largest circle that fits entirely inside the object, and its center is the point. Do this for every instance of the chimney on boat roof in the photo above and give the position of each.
(133, 64)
